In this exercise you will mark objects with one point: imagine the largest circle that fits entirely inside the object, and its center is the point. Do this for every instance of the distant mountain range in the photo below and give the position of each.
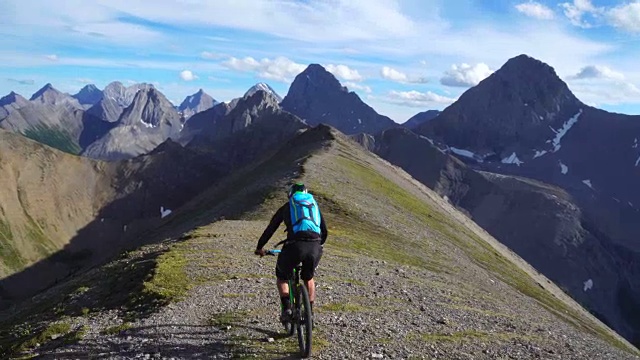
(550, 177)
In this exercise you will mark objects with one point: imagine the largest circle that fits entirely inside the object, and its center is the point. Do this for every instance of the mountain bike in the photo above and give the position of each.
(301, 318)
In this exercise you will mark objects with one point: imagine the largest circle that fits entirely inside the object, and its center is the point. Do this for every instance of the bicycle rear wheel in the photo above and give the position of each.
(304, 324)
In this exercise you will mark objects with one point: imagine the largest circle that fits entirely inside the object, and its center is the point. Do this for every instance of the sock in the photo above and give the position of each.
(311, 302)
(285, 302)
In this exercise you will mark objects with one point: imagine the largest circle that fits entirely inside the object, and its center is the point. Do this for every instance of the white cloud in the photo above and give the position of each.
(52, 57)
(356, 86)
(210, 55)
(577, 10)
(466, 75)
(278, 69)
(597, 72)
(22, 81)
(626, 17)
(397, 76)
(314, 21)
(187, 75)
(393, 74)
(600, 85)
(84, 81)
(598, 92)
(417, 99)
(535, 10)
(344, 72)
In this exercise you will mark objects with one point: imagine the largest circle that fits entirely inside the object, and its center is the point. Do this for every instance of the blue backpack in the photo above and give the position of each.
(305, 215)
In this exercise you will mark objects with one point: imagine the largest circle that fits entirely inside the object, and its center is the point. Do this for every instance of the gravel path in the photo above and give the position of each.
(366, 308)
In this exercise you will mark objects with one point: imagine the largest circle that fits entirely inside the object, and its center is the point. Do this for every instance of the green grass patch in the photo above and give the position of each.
(475, 310)
(10, 257)
(117, 329)
(75, 336)
(342, 307)
(455, 336)
(81, 290)
(350, 232)
(227, 318)
(169, 281)
(56, 138)
(343, 280)
(235, 295)
(57, 330)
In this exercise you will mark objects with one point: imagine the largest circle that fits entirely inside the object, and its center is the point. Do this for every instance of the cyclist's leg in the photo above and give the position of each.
(287, 260)
(310, 260)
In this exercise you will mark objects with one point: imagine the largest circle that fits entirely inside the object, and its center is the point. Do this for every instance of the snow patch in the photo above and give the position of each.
(638, 161)
(588, 285)
(539, 153)
(164, 212)
(563, 131)
(359, 121)
(564, 168)
(146, 124)
(513, 159)
(588, 183)
(426, 138)
(616, 200)
(463, 152)
(635, 144)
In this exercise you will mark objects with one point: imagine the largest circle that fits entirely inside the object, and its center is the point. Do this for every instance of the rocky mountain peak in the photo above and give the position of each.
(47, 90)
(515, 106)
(317, 96)
(314, 79)
(249, 108)
(264, 87)
(13, 98)
(150, 107)
(532, 80)
(198, 102)
(88, 95)
(122, 95)
(51, 96)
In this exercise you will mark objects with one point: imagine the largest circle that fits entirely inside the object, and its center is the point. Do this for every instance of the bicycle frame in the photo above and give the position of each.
(297, 296)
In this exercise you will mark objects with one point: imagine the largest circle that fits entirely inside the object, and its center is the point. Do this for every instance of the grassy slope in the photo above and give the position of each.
(45, 197)
(408, 210)
(56, 138)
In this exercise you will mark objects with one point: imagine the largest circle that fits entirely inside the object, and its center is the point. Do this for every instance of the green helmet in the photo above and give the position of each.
(298, 187)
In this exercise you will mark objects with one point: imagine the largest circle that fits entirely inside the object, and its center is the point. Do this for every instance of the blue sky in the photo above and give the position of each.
(401, 56)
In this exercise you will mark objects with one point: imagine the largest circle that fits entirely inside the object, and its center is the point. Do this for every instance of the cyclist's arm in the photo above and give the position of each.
(276, 220)
(323, 230)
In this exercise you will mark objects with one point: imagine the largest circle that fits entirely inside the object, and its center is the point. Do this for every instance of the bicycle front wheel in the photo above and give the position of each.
(305, 323)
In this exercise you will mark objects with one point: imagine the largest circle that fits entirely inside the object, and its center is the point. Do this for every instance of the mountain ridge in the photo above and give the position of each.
(475, 299)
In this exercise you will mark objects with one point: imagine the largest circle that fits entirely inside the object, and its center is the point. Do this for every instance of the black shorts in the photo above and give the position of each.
(306, 252)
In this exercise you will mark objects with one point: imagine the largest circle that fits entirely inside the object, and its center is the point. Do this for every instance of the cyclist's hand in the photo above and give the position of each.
(260, 252)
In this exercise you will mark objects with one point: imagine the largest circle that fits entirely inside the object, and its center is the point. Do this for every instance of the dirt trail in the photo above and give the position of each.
(366, 308)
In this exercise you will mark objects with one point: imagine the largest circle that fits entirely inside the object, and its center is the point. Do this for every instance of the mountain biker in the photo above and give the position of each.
(306, 234)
